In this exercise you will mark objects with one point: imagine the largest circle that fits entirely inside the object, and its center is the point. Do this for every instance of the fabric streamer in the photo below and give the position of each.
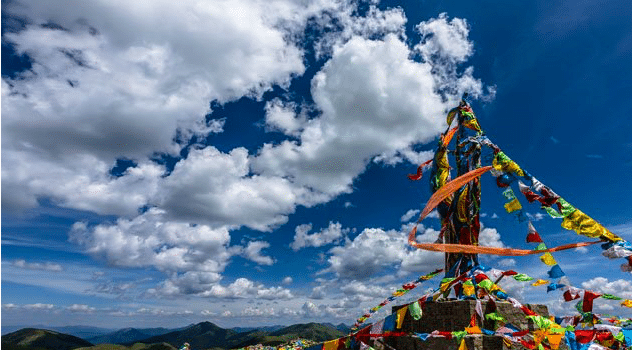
(470, 249)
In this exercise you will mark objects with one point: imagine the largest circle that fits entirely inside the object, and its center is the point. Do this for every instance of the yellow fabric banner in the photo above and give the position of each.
(548, 259)
(401, 313)
(584, 225)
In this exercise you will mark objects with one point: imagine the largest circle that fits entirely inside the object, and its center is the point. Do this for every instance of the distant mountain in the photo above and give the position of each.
(341, 327)
(250, 329)
(128, 335)
(312, 331)
(84, 332)
(201, 336)
(137, 346)
(41, 339)
(207, 335)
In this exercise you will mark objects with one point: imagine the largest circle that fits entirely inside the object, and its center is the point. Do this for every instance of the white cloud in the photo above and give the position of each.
(39, 306)
(127, 90)
(150, 241)
(620, 287)
(287, 280)
(409, 215)
(214, 187)
(244, 288)
(489, 237)
(82, 308)
(325, 236)
(48, 266)
(101, 91)
(253, 252)
(375, 251)
(283, 117)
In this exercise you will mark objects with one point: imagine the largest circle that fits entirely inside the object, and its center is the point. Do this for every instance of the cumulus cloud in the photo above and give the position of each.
(150, 240)
(47, 266)
(245, 288)
(287, 280)
(327, 235)
(282, 116)
(214, 187)
(620, 287)
(374, 251)
(97, 93)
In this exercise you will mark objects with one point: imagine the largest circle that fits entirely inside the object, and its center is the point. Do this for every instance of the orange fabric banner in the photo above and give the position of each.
(472, 249)
(450, 188)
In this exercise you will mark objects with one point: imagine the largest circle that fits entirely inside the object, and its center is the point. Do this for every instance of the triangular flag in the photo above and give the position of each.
(533, 236)
(462, 346)
(401, 313)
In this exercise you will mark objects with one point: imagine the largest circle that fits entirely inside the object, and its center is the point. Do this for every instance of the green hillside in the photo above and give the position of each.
(36, 339)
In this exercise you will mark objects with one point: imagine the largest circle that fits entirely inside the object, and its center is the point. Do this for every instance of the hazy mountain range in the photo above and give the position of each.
(204, 335)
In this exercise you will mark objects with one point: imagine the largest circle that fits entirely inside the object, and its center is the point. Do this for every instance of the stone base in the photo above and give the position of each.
(455, 315)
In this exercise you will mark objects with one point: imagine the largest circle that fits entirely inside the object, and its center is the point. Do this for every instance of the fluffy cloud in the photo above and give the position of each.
(215, 187)
(374, 251)
(325, 236)
(253, 252)
(102, 92)
(149, 240)
(409, 215)
(97, 93)
(620, 287)
(244, 288)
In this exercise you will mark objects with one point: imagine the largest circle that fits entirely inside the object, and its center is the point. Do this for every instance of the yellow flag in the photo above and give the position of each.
(331, 345)
(513, 205)
(548, 259)
(462, 346)
(539, 283)
(626, 303)
(586, 226)
(468, 289)
(401, 313)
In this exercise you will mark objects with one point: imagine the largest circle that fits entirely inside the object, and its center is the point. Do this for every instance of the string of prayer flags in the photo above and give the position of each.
(399, 292)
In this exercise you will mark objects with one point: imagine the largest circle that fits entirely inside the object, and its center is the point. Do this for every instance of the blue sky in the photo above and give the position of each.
(244, 162)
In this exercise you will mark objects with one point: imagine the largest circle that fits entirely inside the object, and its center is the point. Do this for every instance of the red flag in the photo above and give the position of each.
(584, 336)
(588, 300)
(419, 174)
(473, 320)
(527, 311)
(533, 236)
(568, 296)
